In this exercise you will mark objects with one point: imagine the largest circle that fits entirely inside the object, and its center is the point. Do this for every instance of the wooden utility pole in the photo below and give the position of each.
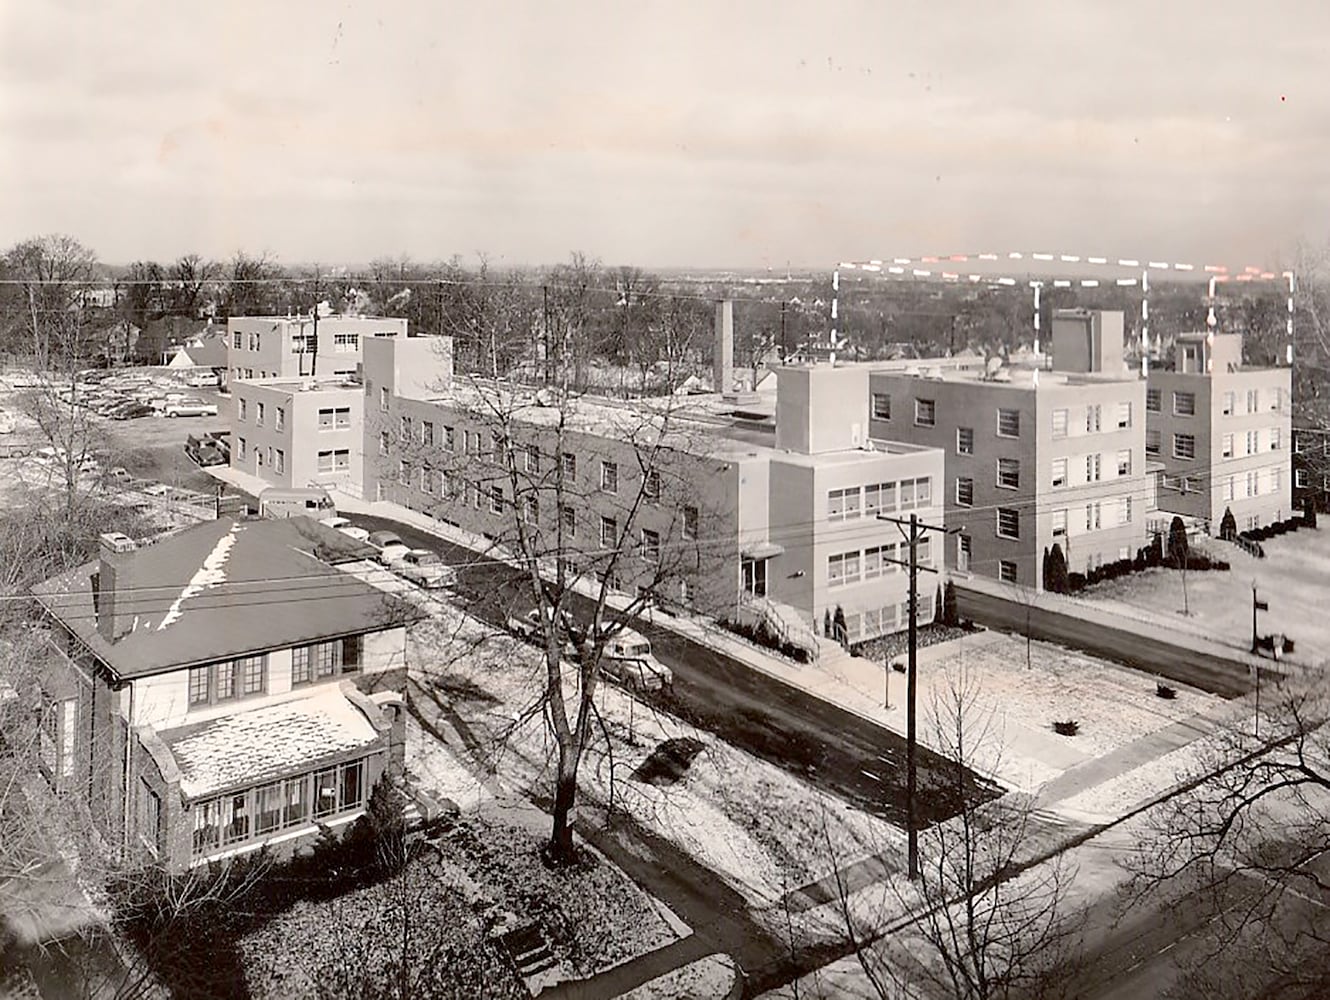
(916, 530)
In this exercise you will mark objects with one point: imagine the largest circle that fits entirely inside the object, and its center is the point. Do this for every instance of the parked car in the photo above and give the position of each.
(425, 568)
(204, 451)
(201, 380)
(190, 408)
(528, 626)
(308, 502)
(628, 659)
(346, 527)
(132, 411)
(390, 546)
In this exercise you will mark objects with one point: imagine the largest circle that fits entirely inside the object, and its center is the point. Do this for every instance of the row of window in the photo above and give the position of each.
(247, 676)
(1122, 508)
(1008, 422)
(1094, 419)
(301, 343)
(879, 498)
(260, 413)
(845, 568)
(1252, 483)
(1184, 445)
(1184, 403)
(861, 625)
(264, 810)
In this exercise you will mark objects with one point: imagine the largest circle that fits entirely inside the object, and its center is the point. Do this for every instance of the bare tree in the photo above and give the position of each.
(253, 286)
(52, 275)
(1249, 833)
(992, 923)
(189, 278)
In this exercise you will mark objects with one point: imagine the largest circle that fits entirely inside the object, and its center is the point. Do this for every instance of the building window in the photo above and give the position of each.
(609, 477)
(916, 493)
(240, 449)
(1092, 516)
(1184, 446)
(1184, 404)
(1093, 467)
(404, 428)
(426, 481)
(925, 412)
(1060, 523)
(1253, 442)
(531, 458)
(878, 560)
(403, 472)
(569, 465)
(326, 659)
(1276, 439)
(1228, 404)
(843, 569)
(427, 433)
(1008, 522)
(258, 414)
(1059, 472)
(1124, 415)
(881, 406)
(1124, 512)
(1276, 479)
(690, 517)
(346, 343)
(1253, 400)
(964, 492)
(568, 518)
(1152, 446)
(609, 532)
(1152, 400)
(1229, 485)
(879, 498)
(1226, 446)
(499, 447)
(339, 459)
(1124, 462)
(279, 460)
(843, 504)
(383, 443)
(227, 680)
(1008, 423)
(384, 397)
(1008, 473)
(474, 489)
(237, 341)
(149, 817)
(1253, 484)
(242, 407)
(1093, 415)
(198, 686)
(496, 499)
(1060, 423)
(964, 440)
(650, 546)
(651, 486)
(1300, 478)
(1277, 400)
(1006, 571)
(531, 509)
(449, 439)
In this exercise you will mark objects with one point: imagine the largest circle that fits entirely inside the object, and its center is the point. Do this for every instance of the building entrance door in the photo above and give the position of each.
(754, 577)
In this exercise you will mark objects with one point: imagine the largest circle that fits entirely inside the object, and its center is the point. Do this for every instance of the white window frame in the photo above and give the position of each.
(1008, 474)
(964, 497)
(1177, 440)
(997, 522)
(924, 407)
(1061, 422)
(964, 440)
(1184, 411)
(1010, 414)
(880, 412)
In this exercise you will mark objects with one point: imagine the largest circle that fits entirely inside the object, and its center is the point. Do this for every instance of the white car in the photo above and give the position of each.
(391, 547)
(189, 408)
(346, 527)
(200, 380)
(425, 568)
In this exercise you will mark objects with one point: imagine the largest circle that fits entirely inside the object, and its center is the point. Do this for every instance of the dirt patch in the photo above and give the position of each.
(669, 761)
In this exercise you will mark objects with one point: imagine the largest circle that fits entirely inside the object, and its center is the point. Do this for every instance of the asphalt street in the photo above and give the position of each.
(834, 749)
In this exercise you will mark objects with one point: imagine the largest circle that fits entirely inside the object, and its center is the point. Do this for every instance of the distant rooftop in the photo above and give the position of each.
(329, 383)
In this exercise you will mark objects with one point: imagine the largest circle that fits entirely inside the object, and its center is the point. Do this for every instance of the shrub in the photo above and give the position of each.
(1070, 727)
(899, 667)
(838, 624)
(1228, 525)
(950, 616)
(1155, 554)
(1165, 692)
(1075, 582)
(1056, 576)
(1177, 542)
(826, 623)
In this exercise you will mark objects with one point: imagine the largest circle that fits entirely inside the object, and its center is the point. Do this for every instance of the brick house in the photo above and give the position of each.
(222, 688)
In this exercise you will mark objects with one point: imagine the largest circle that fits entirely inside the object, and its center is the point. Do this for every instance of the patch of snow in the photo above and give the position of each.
(211, 574)
(713, 976)
(434, 768)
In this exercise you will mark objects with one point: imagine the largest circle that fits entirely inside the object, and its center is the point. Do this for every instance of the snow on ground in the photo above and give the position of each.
(713, 976)
(436, 769)
(763, 830)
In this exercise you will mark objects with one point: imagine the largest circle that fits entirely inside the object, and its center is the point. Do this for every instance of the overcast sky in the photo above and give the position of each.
(716, 132)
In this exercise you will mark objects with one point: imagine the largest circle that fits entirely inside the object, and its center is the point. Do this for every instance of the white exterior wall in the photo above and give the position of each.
(162, 700)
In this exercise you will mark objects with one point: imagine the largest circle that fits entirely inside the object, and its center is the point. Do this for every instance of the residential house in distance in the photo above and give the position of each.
(221, 688)
(299, 432)
(1034, 458)
(776, 511)
(1223, 432)
(300, 346)
(205, 349)
(1311, 469)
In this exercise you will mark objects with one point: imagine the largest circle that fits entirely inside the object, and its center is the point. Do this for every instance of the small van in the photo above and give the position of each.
(314, 502)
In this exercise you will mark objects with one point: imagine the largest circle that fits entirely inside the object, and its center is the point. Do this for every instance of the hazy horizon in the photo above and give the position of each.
(749, 136)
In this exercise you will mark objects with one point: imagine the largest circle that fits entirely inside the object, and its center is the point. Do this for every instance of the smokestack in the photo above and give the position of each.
(112, 586)
(723, 360)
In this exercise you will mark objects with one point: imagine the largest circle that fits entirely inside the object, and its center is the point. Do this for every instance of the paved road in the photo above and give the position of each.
(836, 750)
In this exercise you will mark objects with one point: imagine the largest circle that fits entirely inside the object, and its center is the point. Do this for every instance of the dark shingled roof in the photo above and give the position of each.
(227, 588)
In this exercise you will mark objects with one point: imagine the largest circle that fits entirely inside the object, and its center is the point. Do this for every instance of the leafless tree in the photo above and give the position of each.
(992, 923)
(1250, 831)
(252, 287)
(52, 274)
(189, 278)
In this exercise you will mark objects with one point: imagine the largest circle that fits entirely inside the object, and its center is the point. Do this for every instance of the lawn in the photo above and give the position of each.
(1292, 578)
(761, 829)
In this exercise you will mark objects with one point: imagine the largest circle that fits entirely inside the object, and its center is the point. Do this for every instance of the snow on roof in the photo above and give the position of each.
(226, 600)
(250, 747)
(211, 574)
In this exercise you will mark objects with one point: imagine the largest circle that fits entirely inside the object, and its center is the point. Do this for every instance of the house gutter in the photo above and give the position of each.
(129, 745)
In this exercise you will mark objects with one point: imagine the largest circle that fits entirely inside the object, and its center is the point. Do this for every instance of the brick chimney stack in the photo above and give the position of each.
(723, 357)
(113, 586)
